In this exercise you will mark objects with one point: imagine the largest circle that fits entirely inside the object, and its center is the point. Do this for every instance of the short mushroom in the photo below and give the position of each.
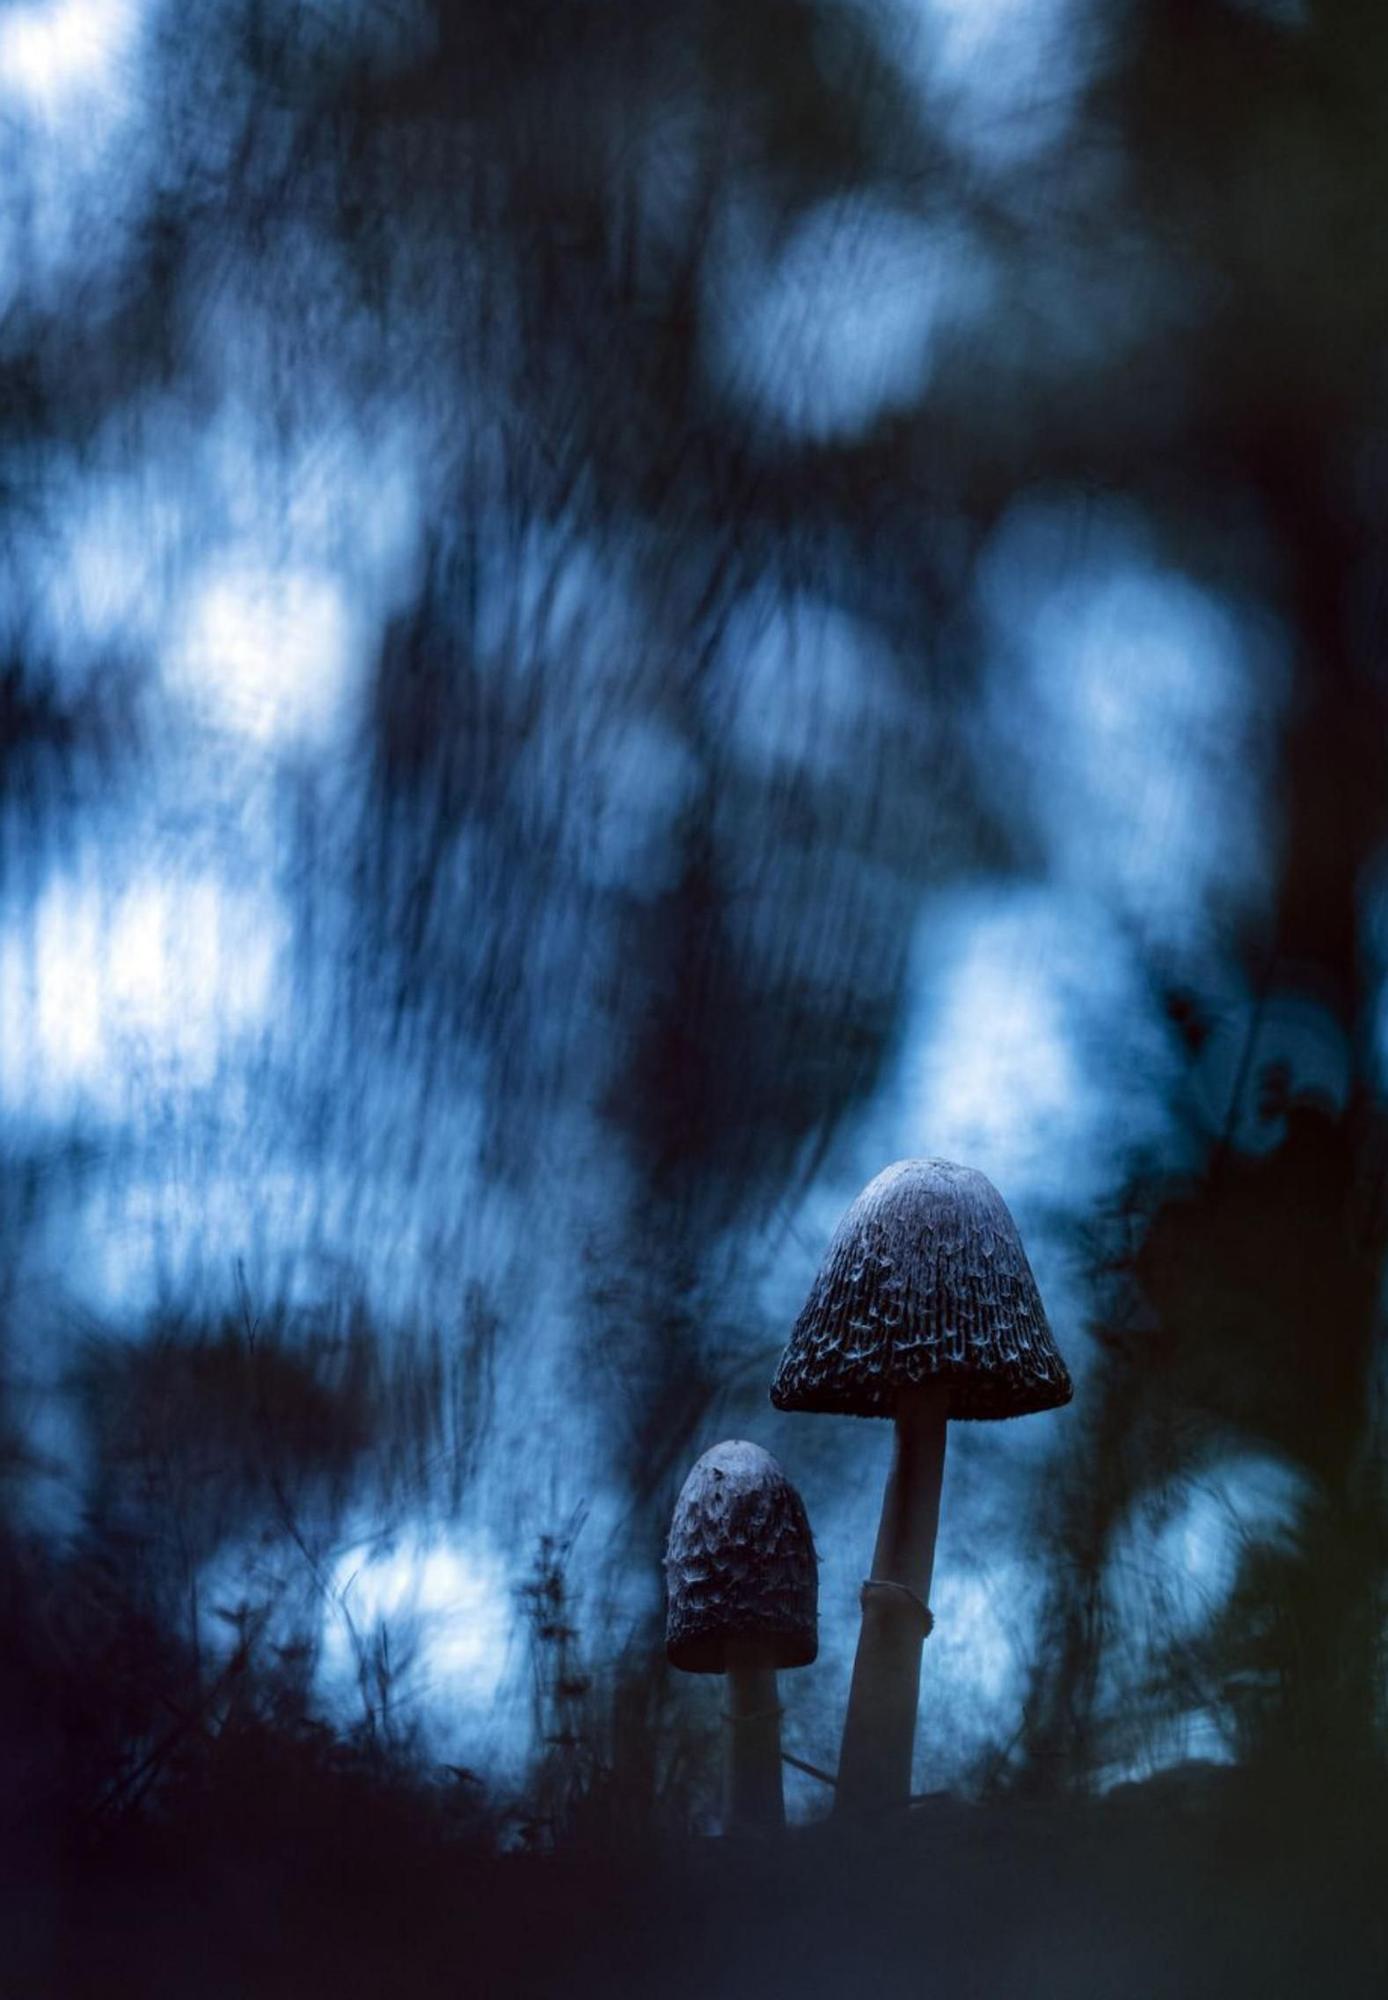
(925, 1308)
(743, 1591)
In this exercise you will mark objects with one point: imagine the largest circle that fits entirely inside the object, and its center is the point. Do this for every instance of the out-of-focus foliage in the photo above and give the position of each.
(609, 617)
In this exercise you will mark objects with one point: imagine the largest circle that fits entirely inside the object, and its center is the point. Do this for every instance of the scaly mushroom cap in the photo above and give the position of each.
(925, 1280)
(740, 1564)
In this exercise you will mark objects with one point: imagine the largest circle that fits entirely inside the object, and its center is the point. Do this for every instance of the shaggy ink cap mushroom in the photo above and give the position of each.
(740, 1565)
(925, 1281)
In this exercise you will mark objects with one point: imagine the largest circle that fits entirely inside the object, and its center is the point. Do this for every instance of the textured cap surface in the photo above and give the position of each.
(925, 1280)
(740, 1563)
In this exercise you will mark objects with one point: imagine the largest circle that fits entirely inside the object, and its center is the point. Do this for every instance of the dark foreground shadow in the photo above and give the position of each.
(1211, 1884)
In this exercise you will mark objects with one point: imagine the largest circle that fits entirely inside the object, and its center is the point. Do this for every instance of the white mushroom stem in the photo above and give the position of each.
(880, 1728)
(754, 1801)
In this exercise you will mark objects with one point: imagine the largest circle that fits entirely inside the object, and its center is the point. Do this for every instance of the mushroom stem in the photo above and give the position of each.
(880, 1727)
(754, 1802)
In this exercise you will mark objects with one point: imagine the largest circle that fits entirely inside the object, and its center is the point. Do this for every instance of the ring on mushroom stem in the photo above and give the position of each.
(923, 1611)
(743, 1589)
(924, 1309)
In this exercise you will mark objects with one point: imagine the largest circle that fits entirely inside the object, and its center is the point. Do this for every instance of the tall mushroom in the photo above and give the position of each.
(925, 1308)
(743, 1594)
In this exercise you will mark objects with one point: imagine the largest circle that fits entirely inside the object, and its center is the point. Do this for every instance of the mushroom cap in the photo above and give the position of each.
(740, 1564)
(925, 1280)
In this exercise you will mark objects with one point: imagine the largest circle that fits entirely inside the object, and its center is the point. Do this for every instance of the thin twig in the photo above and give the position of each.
(810, 1770)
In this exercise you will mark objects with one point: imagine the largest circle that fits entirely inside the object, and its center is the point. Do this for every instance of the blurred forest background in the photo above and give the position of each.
(612, 615)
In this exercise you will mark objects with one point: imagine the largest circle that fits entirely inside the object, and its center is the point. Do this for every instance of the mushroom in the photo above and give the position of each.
(743, 1595)
(925, 1308)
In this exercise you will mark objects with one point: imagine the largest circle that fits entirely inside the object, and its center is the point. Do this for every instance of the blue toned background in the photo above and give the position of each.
(609, 619)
